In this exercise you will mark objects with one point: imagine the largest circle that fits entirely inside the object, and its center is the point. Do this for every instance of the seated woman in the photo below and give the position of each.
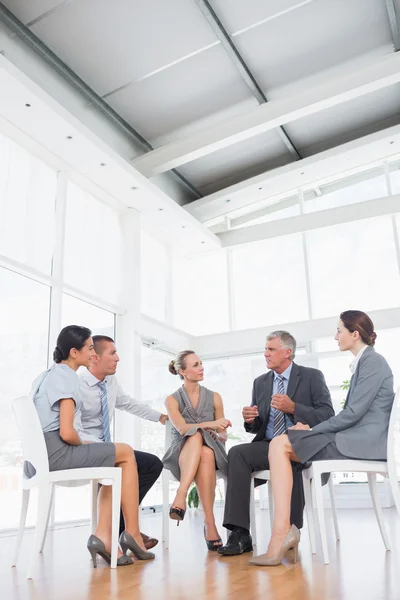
(56, 396)
(198, 437)
(359, 431)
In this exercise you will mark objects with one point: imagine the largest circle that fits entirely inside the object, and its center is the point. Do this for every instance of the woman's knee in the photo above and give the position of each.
(196, 438)
(124, 452)
(207, 455)
(279, 444)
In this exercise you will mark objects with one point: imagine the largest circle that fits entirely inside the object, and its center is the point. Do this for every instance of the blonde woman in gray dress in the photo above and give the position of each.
(198, 435)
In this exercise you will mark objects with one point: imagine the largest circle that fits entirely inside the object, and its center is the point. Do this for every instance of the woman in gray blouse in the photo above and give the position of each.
(198, 436)
(57, 398)
(359, 431)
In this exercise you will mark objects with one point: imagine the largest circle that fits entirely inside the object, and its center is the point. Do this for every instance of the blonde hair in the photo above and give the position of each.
(179, 362)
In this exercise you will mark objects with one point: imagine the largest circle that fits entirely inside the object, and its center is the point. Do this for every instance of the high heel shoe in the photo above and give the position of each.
(291, 540)
(177, 514)
(96, 546)
(212, 544)
(127, 542)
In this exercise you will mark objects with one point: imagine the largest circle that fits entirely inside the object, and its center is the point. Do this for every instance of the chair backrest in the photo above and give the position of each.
(393, 441)
(32, 438)
(168, 436)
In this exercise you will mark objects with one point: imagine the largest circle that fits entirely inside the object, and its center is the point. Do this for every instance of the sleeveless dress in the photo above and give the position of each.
(203, 412)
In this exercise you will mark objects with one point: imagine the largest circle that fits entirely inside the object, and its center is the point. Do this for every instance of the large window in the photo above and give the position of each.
(24, 317)
(27, 206)
(92, 254)
(78, 312)
(353, 266)
(201, 293)
(270, 282)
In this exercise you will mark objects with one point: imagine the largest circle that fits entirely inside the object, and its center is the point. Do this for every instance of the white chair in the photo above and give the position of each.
(34, 451)
(312, 483)
(166, 477)
(266, 476)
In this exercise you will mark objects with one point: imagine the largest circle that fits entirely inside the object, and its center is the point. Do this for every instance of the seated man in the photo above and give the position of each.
(284, 396)
(101, 394)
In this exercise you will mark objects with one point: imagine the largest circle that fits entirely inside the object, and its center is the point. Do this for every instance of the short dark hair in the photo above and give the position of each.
(98, 341)
(356, 320)
(72, 336)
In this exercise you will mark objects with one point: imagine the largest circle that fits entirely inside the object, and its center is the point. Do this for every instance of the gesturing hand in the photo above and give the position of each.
(222, 424)
(300, 426)
(250, 413)
(283, 403)
(163, 419)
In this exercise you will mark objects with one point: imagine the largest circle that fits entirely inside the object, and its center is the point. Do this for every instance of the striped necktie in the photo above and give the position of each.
(279, 416)
(105, 417)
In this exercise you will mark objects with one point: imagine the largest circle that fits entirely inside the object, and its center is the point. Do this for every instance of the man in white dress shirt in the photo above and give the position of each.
(99, 389)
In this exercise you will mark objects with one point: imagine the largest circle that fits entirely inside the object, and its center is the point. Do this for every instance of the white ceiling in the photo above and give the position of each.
(161, 66)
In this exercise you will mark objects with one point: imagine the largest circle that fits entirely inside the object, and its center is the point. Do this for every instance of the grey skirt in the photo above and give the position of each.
(64, 456)
(309, 446)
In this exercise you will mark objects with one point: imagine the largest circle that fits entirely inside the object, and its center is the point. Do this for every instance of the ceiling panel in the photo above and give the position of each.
(111, 44)
(240, 15)
(27, 10)
(188, 91)
(337, 124)
(238, 162)
(318, 36)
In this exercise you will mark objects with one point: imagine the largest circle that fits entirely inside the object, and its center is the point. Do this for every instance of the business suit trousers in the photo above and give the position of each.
(243, 460)
(149, 469)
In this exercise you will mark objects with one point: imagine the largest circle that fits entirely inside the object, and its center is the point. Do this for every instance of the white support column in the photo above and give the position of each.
(169, 307)
(127, 427)
(305, 256)
(58, 264)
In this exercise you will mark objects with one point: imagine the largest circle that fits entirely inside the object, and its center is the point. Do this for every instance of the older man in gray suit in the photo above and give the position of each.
(284, 396)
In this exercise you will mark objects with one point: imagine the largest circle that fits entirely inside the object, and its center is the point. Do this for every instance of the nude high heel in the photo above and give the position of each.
(291, 540)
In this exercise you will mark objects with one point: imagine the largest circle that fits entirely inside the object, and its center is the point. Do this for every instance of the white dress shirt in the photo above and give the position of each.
(88, 421)
(354, 362)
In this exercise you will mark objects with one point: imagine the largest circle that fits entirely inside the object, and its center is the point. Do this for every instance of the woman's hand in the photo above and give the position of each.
(221, 424)
(300, 426)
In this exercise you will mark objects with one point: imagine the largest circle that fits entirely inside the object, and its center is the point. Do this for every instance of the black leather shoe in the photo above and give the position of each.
(237, 544)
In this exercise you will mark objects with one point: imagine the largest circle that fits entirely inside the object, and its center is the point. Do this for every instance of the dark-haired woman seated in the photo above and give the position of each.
(56, 396)
(198, 436)
(359, 431)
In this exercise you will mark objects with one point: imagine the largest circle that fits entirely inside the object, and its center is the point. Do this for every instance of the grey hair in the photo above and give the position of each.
(287, 340)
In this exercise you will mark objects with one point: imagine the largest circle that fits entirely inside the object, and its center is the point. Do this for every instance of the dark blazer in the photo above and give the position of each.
(307, 389)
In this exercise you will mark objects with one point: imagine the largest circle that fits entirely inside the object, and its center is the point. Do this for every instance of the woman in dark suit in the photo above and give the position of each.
(359, 431)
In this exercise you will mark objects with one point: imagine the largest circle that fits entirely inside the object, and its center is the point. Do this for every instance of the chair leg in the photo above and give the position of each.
(116, 509)
(51, 500)
(309, 513)
(165, 509)
(94, 495)
(253, 526)
(270, 504)
(41, 522)
(319, 504)
(22, 521)
(378, 509)
(333, 508)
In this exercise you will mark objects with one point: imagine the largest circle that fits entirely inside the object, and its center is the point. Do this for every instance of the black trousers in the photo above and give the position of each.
(149, 469)
(243, 460)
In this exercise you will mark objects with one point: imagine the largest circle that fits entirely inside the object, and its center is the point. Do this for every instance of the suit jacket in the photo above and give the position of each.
(362, 426)
(307, 389)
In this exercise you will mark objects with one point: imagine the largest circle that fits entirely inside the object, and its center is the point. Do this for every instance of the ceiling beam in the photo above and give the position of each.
(241, 66)
(394, 24)
(388, 205)
(351, 84)
(11, 21)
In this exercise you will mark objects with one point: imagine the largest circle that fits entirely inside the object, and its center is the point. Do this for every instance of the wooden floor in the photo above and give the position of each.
(360, 568)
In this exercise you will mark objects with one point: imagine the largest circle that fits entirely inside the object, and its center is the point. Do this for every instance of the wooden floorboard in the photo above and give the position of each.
(360, 568)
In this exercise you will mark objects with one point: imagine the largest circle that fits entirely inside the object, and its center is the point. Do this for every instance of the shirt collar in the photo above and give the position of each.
(285, 374)
(354, 362)
(90, 379)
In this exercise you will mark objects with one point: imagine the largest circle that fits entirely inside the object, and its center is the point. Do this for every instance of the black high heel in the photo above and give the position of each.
(177, 514)
(212, 544)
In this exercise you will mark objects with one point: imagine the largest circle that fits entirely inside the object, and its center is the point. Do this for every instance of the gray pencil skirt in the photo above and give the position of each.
(309, 446)
(63, 456)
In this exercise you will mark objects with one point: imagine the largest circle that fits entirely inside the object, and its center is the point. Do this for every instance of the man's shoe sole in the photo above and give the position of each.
(246, 549)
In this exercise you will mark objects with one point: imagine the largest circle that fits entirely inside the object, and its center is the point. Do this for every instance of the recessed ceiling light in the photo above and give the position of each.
(259, 189)
(391, 142)
(228, 200)
(103, 164)
(302, 173)
(134, 187)
(183, 226)
(203, 242)
(160, 209)
(69, 137)
(27, 105)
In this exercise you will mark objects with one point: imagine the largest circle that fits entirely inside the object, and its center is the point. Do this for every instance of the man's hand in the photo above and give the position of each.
(300, 426)
(163, 419)
(283, 403)
(250, 413)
